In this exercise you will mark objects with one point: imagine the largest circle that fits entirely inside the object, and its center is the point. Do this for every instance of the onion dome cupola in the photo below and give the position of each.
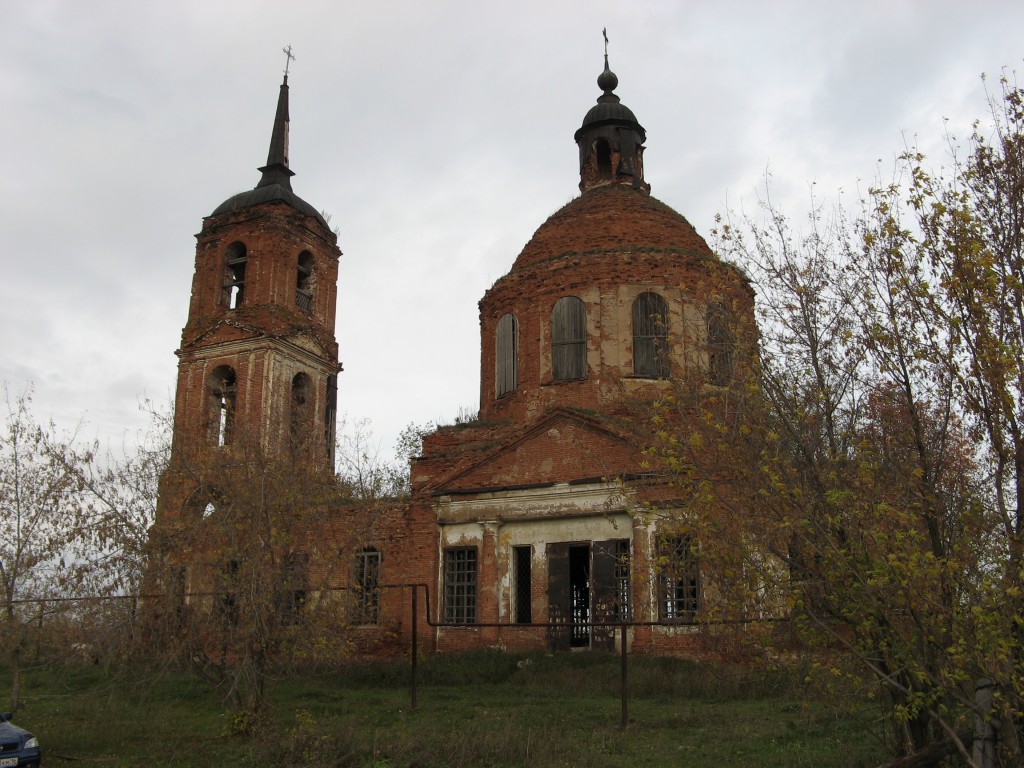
(611, 140)
(275, 184)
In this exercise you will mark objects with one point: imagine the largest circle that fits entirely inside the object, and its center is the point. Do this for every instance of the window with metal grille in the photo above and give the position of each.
(522, 565)
(622, 567)
(221, 393)
(679, 579)
(304, 282)
(460, 585)
(235, 258)
(366, 587)
(506, 356)
(568, 339)
(650, 335)
(720, 345)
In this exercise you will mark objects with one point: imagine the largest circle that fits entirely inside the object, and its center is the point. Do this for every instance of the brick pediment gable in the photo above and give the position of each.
(562, 447)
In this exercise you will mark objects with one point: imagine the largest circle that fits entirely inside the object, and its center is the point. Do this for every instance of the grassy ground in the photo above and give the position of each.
(484, 709)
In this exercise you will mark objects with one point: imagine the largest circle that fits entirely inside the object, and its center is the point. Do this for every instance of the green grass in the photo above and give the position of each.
(476, 710)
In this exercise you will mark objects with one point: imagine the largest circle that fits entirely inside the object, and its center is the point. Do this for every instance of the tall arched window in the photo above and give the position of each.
(720, 345)
(568, 339)
(234, 275)
(506, 355)
(301, 415)
(221, 393)
(650, 335)
(331, 416)
(304, 282)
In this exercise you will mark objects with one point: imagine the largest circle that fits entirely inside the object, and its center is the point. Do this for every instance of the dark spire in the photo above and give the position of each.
(276, 171)
(275, 184)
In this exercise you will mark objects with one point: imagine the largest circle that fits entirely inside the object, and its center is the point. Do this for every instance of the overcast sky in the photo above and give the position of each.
(438, 135)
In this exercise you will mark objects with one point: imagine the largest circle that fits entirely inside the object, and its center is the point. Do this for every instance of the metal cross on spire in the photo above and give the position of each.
(605, 33)
(291, 56)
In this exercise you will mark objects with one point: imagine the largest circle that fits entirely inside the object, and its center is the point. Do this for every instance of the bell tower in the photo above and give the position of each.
(258, 360)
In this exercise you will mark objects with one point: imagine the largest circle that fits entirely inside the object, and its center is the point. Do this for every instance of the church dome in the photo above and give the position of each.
(269, 193)
(614, 217)
(608, 112)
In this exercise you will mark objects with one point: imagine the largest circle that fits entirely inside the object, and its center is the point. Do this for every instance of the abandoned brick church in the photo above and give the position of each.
(525, 525)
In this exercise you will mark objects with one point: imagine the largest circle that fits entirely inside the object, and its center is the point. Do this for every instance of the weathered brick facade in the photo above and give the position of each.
(528, 515)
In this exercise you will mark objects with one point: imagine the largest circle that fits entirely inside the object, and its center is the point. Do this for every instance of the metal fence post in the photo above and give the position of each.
(624, 683)
(415, 648)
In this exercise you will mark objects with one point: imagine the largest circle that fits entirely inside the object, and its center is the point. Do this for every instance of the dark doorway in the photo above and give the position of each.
(587, 582)
(579, 588)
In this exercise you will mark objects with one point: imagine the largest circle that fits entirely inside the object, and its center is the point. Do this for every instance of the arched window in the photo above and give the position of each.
(650, 336)
(720, 345)
(568, 339)
(604, 159)
(234, 275)
(301, 412)
(200, 504)
(221, 393)
(331, 416)
(304, 282)
(506, 355)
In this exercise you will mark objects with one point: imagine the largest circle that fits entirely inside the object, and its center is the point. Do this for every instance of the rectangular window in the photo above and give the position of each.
(523, 590)
(460, 585)
(679, 579)
(294, 584)
(366, 587)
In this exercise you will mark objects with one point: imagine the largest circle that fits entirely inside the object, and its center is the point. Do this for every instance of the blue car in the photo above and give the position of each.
(18, 747)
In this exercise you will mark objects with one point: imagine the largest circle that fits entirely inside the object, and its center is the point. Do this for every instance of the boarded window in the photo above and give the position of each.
(679, 579)
(235, 258)
(523, 581)
(222, 395)
(559, 596)
(460, 585)
(304, 282)
(720, 345)
(568, 339)
(506, 356)
(366, 587)
(650, 336)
